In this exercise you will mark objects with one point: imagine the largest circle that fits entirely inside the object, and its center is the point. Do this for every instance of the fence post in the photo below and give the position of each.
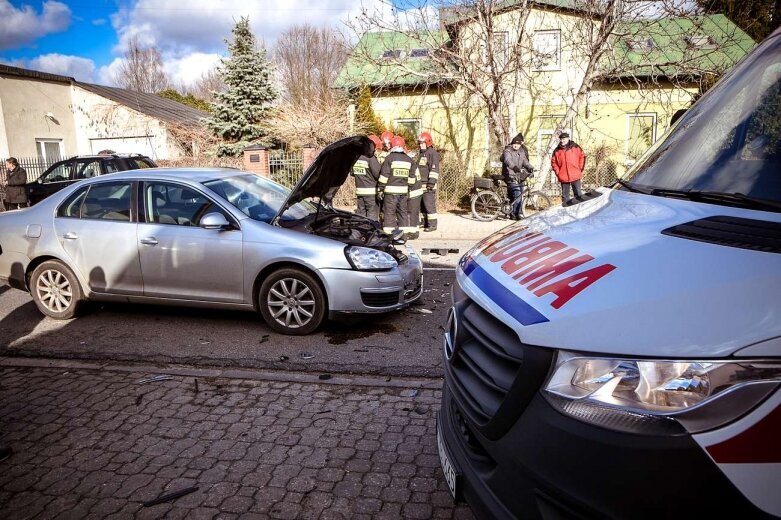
(256, 160)
(309, 154)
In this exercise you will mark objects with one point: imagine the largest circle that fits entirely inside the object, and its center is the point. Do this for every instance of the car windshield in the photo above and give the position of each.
(258, 198)
(729, 143)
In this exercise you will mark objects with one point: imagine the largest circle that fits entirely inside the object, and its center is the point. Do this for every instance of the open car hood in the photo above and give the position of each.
(329, 171)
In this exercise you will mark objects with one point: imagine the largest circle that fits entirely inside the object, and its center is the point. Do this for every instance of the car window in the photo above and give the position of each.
(87, 169)
(111, 166)
(108, 201)
(60, 173)
(177, 205)
(258, 198)
(72, 205)
(142, 164)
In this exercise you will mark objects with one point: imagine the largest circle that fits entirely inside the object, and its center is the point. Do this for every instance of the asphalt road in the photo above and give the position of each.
(403, 343)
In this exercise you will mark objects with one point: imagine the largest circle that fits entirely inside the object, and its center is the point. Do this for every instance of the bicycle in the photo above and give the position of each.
(489, 199)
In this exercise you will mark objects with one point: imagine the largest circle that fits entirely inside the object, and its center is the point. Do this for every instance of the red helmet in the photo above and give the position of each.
(377, 142)
(387, 135)
(397, 142)
(426, 138)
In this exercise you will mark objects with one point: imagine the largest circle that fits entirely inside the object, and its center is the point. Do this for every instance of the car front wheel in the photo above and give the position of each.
(292, 302)
(56, 290)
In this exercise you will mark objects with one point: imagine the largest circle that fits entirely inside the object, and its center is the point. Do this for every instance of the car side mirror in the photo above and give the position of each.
(214, 221)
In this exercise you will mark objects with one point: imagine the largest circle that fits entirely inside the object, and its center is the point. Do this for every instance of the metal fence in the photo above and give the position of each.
(286, 167)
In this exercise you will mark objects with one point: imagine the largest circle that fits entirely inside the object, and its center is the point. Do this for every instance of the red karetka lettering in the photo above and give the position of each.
(567, 288)
(529, 256)
(549, 268)
(518, 247)
(499, 246)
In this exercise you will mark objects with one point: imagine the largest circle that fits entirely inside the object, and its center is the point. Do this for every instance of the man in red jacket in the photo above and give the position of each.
(568, 162)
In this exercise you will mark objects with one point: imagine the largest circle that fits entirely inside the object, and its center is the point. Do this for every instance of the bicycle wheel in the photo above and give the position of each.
(536, 201)
(486, 205)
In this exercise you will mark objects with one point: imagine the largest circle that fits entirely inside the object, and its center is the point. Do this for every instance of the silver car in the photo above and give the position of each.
(213, 238)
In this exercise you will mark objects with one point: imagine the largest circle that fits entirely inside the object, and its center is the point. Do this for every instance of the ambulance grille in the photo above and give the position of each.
(492, 374)
(758, 235)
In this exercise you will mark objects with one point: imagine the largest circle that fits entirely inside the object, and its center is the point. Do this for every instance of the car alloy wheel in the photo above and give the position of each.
(291, 303)
(54, 290)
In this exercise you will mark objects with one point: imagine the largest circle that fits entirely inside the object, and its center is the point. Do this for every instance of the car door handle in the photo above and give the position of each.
(70, 236)
(150, 241)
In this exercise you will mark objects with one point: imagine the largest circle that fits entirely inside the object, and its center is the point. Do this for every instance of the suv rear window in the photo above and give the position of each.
(142, 164)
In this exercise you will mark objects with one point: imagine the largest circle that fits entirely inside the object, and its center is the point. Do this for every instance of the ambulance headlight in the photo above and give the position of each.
(627, 393)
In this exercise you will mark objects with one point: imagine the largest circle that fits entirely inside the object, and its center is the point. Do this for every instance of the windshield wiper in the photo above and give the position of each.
(736, 199)
(631, 187)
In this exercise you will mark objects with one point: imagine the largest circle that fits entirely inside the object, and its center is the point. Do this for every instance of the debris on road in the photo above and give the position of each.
(195, 380)
(324, 377)
(154, 379)
(306, 355)
(422, 311)
(410, 393)
(264, 338)
(283, 358)
(170, 496)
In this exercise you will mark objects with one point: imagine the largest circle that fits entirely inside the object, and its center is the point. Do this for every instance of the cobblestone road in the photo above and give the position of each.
(96, 444)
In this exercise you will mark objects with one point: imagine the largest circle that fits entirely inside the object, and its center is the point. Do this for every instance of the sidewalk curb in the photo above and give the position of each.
(224, 373)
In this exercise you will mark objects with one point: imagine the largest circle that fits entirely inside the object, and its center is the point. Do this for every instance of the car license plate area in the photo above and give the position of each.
(451, 476)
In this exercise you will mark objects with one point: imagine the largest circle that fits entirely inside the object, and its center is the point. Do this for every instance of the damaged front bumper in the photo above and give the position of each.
(354, 292)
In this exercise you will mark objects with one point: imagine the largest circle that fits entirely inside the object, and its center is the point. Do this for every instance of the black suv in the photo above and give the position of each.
(66, 172)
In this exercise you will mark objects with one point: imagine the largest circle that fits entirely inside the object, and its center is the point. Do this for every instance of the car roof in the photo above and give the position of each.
(107, 156)
(177, 174)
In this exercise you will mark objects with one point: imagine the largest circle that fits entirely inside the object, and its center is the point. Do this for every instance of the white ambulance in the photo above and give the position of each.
(621, 358)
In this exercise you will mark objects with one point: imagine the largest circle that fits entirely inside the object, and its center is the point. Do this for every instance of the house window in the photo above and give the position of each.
(49, 150)
(410, 125)
(641, 45)
(418, 53)
(501, 48)
(700, 41)
(546, 48)
(392, 54)
(640, 135)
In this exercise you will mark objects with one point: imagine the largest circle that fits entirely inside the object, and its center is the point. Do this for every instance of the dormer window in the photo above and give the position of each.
(641, 45)
(700, 41)
(418, 53)
(392, 54)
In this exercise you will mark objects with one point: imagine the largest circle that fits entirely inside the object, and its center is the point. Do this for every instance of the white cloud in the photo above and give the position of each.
(183, 72)
(82, 69)
(107, 73)
(23, 25)
(204, 25)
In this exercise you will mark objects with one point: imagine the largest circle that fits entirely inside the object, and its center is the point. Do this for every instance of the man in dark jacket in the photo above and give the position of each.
(568, 161)
(428, 166)
(15, 196)
(397, 174)
(366, 171)
(515, 169)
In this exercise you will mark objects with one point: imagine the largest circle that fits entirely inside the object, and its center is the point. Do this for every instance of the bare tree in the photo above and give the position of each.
(317, 122)
(489, 55)
(205, 86)
(141, 69)
(308, 59)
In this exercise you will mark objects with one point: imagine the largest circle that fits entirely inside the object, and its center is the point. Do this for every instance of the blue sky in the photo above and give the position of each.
(86, 38)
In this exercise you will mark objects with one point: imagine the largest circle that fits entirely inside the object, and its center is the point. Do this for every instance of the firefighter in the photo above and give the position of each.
(397, 174)
(413, 207)
(428, 168)
(386, 138)
(366, 171)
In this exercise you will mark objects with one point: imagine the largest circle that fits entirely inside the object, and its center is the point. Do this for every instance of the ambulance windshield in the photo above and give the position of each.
(727, 143)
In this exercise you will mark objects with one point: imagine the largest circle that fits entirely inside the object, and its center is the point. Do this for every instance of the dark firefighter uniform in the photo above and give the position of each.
(413, 207)
(397, 174)
(366, 171)
(428, 168)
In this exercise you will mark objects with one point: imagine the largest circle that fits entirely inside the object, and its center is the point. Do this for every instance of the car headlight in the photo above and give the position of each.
(632, 394)
(366, 259)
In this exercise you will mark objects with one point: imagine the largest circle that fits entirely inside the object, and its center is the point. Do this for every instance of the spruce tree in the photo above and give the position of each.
(240, 110)
(364, 113)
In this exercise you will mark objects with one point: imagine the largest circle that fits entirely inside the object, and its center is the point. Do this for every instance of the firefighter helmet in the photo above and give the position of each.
(377, 142)
(397, 142)
(426, 138)
(387, 135)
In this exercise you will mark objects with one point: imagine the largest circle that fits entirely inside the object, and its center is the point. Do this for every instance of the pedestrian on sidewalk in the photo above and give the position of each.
(15, 196)
(366, 171)
(515, 169)
(428, 167)
(397, 174)
(568, 162)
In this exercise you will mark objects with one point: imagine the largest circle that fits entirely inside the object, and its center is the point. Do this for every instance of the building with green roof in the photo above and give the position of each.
(656, 67)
